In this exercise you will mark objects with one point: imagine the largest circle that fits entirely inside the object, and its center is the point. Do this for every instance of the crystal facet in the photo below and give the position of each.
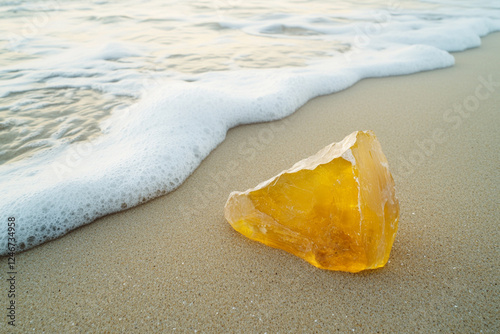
(336, 209)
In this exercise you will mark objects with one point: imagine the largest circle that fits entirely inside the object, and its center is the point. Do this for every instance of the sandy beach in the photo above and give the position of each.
(175, 265)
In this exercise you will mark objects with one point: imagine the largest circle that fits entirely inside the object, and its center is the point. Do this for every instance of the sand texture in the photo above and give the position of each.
(175, 265)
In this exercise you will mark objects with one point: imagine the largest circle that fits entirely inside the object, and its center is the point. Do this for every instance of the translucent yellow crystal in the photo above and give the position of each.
(336, 209)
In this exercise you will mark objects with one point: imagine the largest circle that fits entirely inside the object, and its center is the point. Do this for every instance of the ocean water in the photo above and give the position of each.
(105, 105)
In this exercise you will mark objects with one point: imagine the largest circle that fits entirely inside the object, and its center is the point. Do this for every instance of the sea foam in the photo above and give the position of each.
(151, 147)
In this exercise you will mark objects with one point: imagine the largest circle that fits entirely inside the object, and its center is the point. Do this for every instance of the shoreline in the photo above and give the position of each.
(175, 262)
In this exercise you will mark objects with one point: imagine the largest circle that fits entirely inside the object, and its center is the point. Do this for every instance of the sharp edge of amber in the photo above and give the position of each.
(336, 209)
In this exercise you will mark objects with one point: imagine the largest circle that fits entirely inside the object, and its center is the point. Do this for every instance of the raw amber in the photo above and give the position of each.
(336, 209)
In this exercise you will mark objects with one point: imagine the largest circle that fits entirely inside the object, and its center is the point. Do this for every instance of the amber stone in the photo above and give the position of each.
(336, 209)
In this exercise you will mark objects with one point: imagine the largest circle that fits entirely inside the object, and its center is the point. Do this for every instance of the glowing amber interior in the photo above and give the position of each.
(336, 209)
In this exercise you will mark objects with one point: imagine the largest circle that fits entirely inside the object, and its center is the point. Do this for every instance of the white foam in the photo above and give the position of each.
(150, 148)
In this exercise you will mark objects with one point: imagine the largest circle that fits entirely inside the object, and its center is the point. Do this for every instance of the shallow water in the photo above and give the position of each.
(59, 56)
(105, 105)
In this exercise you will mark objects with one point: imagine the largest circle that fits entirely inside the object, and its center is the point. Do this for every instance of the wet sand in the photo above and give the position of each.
(175, 265)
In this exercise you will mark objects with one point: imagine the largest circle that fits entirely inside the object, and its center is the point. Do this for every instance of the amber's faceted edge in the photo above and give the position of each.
(326, 155)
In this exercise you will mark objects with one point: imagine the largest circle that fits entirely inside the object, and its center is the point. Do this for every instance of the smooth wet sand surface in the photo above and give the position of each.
(175, 264)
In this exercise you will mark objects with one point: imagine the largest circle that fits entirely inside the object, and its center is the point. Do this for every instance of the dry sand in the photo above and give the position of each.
(176, 264)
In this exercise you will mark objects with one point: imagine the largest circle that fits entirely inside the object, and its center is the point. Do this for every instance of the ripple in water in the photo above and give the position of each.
(36, 120)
